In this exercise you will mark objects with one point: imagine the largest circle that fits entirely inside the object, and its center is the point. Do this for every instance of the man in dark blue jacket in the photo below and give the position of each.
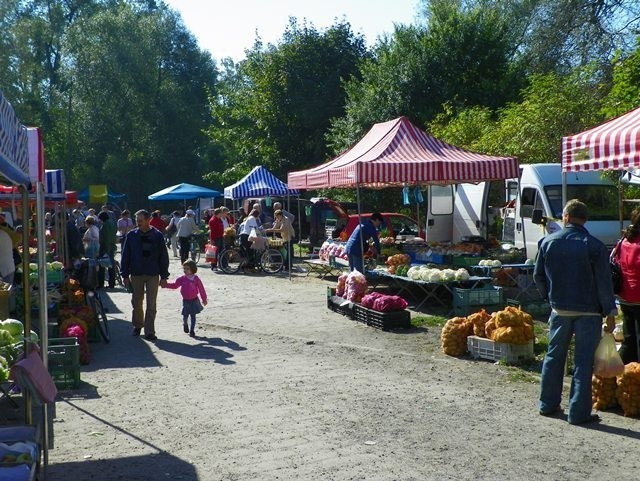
(572, 272)
(359, 237)
(145, 266)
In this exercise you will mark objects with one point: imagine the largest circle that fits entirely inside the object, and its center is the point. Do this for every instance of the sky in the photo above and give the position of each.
(227, 28)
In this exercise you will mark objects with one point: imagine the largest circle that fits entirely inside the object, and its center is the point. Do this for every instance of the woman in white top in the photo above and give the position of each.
(249, 224)
(91, 238)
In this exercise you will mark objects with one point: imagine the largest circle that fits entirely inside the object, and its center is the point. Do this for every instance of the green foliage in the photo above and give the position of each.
(274, 107)
(553, 105)
(462, 56)
(625, 91)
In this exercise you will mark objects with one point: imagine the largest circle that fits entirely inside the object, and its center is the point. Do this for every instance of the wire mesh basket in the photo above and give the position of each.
(275, 242)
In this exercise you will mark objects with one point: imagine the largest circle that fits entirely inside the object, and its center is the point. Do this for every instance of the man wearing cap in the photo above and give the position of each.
(145, 266)
(186, 228)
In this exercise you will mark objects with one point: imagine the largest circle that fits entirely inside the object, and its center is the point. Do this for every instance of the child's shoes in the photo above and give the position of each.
(185, 327)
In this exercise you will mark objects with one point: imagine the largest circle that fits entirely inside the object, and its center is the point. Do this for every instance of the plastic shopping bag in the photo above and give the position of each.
(607, 362)
(210, 253)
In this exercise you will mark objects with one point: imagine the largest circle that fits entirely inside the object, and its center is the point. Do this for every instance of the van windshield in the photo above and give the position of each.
(601, 200)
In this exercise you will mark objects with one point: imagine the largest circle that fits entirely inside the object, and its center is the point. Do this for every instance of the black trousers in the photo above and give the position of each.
(184, 248)
(629, 348)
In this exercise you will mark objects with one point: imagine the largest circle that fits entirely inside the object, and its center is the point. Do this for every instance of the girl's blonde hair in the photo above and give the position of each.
(193, 267)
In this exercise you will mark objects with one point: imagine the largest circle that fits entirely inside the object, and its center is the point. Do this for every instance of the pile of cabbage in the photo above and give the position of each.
(429, 274)
(490, 263)
(11, 339)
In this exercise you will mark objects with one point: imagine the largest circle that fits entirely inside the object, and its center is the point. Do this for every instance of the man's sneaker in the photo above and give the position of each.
(136, 331)
(185, 328)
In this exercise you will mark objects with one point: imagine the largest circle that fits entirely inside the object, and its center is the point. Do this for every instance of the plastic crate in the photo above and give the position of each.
(64, 362)
(55, 276)
(482, 348)
(383, 320)
(466, 261)
(477, 297)
(340, 305)
(535, 308)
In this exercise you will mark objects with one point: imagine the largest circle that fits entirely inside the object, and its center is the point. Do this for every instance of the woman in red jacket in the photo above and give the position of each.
(629, 256)
(216, 231)
(157, 222)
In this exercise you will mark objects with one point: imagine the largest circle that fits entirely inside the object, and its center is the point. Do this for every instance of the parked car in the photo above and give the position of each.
(395, 224)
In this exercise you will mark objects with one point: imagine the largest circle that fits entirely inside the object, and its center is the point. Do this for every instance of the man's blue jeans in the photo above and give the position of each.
(588, 331)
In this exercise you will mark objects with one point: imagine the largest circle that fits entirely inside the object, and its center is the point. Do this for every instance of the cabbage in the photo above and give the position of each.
(448, 275)
(57, 266)
(462, 275)
(33, 267)
(6, 339)
(496, 263)
(435, 276)
(13, 326)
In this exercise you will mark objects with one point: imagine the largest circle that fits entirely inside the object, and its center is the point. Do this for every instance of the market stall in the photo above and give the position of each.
(397, 153)
(15, 155)
(260, 183)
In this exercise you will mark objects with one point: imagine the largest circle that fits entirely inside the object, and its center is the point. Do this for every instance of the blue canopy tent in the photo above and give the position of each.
(184, 192)
(259, 183)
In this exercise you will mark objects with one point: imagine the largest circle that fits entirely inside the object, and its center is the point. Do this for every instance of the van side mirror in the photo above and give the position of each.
(536, 216)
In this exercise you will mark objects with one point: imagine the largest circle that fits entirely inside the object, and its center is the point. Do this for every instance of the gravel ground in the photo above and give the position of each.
(277, 387)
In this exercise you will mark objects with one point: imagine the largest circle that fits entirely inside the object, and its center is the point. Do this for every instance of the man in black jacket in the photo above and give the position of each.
(145, 266)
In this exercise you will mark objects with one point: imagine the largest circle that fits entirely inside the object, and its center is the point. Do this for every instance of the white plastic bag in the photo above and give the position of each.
(607, 361)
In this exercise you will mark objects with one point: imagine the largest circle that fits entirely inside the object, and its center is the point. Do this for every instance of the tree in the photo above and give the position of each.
(274, 107)
(552, 106)
(625, 91)
(139, 93)
(462, 56)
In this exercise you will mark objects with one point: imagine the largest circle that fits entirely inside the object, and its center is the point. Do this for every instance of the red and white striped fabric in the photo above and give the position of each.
(612, 145)
(399, 153)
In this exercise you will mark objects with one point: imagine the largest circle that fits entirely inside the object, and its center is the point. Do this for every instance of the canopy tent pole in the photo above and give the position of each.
(360, 226)
(290, 250)
(564, 189)
(42, 294)
(26, 293)
(621, 204)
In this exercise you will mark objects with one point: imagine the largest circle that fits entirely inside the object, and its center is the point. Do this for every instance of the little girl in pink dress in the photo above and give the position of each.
(190, 286)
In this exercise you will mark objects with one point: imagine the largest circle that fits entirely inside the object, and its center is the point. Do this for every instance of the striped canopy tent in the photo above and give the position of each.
(397, 153)
(259, 183)
(611, 146)
(14, 151)
(53, 188)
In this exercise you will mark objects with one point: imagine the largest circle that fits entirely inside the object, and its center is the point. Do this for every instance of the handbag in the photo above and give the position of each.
(616, 270)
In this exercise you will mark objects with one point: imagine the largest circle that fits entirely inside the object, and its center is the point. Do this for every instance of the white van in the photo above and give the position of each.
(478, 209)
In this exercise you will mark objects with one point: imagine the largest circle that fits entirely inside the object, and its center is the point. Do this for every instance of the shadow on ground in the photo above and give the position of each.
(205, 349)
(154, 466)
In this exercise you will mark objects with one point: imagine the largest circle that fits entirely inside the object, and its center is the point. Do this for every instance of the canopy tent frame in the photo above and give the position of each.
(612, 145)
(396, 153)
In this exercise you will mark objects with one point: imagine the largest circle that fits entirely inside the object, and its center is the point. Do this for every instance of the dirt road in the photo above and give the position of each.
(277, 387)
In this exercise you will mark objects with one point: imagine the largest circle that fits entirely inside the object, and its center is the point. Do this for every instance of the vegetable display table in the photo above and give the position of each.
(520, 275)
(428, 291)
(323, 268)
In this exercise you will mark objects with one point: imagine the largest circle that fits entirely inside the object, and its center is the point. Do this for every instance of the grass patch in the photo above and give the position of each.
(517, 374)
(428, 321)
(301, 251)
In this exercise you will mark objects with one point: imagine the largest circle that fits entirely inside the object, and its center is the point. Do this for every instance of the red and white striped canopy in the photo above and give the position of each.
(398, 153)
(610, 146)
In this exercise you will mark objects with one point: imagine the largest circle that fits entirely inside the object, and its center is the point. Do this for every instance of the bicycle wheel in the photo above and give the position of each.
(271, 261)
(99, 314)
(230, 261)
(117, 275)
